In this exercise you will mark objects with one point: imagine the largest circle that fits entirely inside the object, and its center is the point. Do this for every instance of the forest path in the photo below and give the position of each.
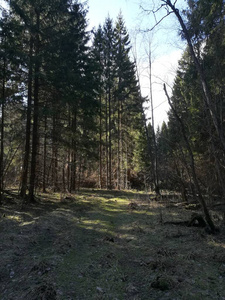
(107, 245)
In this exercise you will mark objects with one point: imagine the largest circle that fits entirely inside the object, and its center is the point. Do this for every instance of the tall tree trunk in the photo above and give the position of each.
(45, 156)
(68, 170)
(155, 161)
(126, 169)
(79, 174)
(149, 147)
(73, 175)
(100, 145)
(144, 121)
(110, 142)
(63, 177)
(106, 143)
(28, 123)
(74, 152)
(68, 173)
(2, 131)
(192, 165)
(54, 155)
(36, 110)
(119, 145)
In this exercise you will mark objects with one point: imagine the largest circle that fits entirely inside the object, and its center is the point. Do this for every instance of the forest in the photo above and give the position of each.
(80, 160)
(71, 108)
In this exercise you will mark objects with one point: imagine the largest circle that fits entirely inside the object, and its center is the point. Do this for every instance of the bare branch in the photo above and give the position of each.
(145, 10)
(155, 11)
(151, 29)
(192, 164)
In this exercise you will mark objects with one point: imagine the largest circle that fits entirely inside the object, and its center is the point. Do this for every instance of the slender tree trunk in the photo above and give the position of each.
(192, 165)
(110, 142)
(2, 132)
(149, 148)
(106, 143)
(69, 155)
(74, 153)
(73, 176)
(155, 161)
(79, 174)
(36, 111)
(119, 145)
(48, 173)
(100, 145)
(54, 156)
(63, 177)
(126, 169)
(45, 156)
(28, 123)
(69, 171)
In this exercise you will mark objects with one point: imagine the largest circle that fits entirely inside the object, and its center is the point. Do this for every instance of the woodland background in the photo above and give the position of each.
(72, 112)
(95, 202)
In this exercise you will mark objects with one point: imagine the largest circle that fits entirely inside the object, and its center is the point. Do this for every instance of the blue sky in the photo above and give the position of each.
(135, 18)
(99, 10)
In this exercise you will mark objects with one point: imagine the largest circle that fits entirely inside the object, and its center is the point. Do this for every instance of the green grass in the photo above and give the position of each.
(92, 245)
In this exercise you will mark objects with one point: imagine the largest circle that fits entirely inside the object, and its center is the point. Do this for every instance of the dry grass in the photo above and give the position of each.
(107, 245)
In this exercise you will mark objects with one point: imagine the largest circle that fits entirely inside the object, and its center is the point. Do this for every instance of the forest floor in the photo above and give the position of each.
(108, 245)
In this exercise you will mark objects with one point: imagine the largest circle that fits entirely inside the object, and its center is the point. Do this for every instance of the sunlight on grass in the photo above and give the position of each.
(97, 225)
(144, 212)
(216, 244)
(26, 223)
(114, 209)
(14, 218)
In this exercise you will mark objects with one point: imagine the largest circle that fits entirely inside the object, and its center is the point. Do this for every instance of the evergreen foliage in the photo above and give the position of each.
(78, 100)
(205, 24)
(72, 111)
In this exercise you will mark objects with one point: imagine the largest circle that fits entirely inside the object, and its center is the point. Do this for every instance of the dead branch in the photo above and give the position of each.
(192, 165)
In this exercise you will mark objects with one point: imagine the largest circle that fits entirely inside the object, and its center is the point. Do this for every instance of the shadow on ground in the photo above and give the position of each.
(95, 245)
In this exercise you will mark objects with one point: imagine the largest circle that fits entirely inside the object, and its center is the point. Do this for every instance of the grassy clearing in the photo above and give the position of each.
(97, 245)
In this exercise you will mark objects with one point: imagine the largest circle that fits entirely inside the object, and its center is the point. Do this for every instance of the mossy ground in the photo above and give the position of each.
(95, 245)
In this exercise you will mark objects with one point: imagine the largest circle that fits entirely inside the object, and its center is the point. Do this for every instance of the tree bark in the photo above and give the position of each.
(110, 142)
(45, 156)
(28, 124)
(2, 131)
(74, 153)
(36, 110)
(155, 160)
(192, 165)
(119, 150)
(106, 143)
(54, 155)
(100, 145)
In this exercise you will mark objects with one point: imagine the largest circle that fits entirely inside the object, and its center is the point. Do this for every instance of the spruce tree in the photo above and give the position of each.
(109, 74)
(127, 96)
